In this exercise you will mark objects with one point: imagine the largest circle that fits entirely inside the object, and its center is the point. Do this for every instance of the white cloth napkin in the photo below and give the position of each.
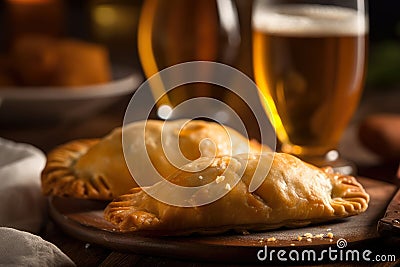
(22, 205)
(18, 248)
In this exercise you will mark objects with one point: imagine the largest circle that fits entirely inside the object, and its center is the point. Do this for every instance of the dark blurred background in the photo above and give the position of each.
(114, 24)
(111, 23)
(384, 57)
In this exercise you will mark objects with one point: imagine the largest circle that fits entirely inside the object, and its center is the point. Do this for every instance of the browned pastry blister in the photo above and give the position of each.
(97, 169)
(293, 194)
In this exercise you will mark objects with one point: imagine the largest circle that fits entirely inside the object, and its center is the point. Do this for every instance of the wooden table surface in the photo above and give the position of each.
(47, 136)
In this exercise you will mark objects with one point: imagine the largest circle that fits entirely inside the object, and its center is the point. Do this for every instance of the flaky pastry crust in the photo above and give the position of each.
(293, 194)
(97, 169)
(59, 177)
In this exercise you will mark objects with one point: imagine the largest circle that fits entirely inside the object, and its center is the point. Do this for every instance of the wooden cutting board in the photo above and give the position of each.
(83, 219)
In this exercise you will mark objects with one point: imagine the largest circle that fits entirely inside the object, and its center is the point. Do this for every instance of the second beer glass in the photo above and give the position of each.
(177, 31)
(309, 63)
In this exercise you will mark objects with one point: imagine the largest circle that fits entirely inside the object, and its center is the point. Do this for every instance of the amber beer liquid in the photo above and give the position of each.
(309, 64)
(177, 31)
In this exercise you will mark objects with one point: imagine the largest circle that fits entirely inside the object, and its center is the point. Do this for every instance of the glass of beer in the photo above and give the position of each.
(309, 61)
(177, 31)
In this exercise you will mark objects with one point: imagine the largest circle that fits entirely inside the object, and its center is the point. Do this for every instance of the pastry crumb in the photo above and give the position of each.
(329, 235)
(331, 240)
(261, 240)
(319, 236)
(228, 187)
(329, 229)
(200, 177)
(292, 244)
(299, 238)
(219, 179)
(271, 239)
(87, 245)
(223, 165)
(308, 235)
(309, 240)
(245, 232)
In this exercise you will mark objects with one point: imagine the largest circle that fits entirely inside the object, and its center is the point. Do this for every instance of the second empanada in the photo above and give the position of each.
(292, 194)
(97, 168)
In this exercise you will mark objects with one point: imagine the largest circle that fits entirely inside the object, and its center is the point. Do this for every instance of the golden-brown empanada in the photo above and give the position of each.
(96, 169)
(293, 194)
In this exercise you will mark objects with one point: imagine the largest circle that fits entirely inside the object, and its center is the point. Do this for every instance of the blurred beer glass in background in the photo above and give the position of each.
(309, 63)
(177, 31)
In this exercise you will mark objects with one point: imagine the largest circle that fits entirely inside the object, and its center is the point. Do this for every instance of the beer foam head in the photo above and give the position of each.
(309, 20)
